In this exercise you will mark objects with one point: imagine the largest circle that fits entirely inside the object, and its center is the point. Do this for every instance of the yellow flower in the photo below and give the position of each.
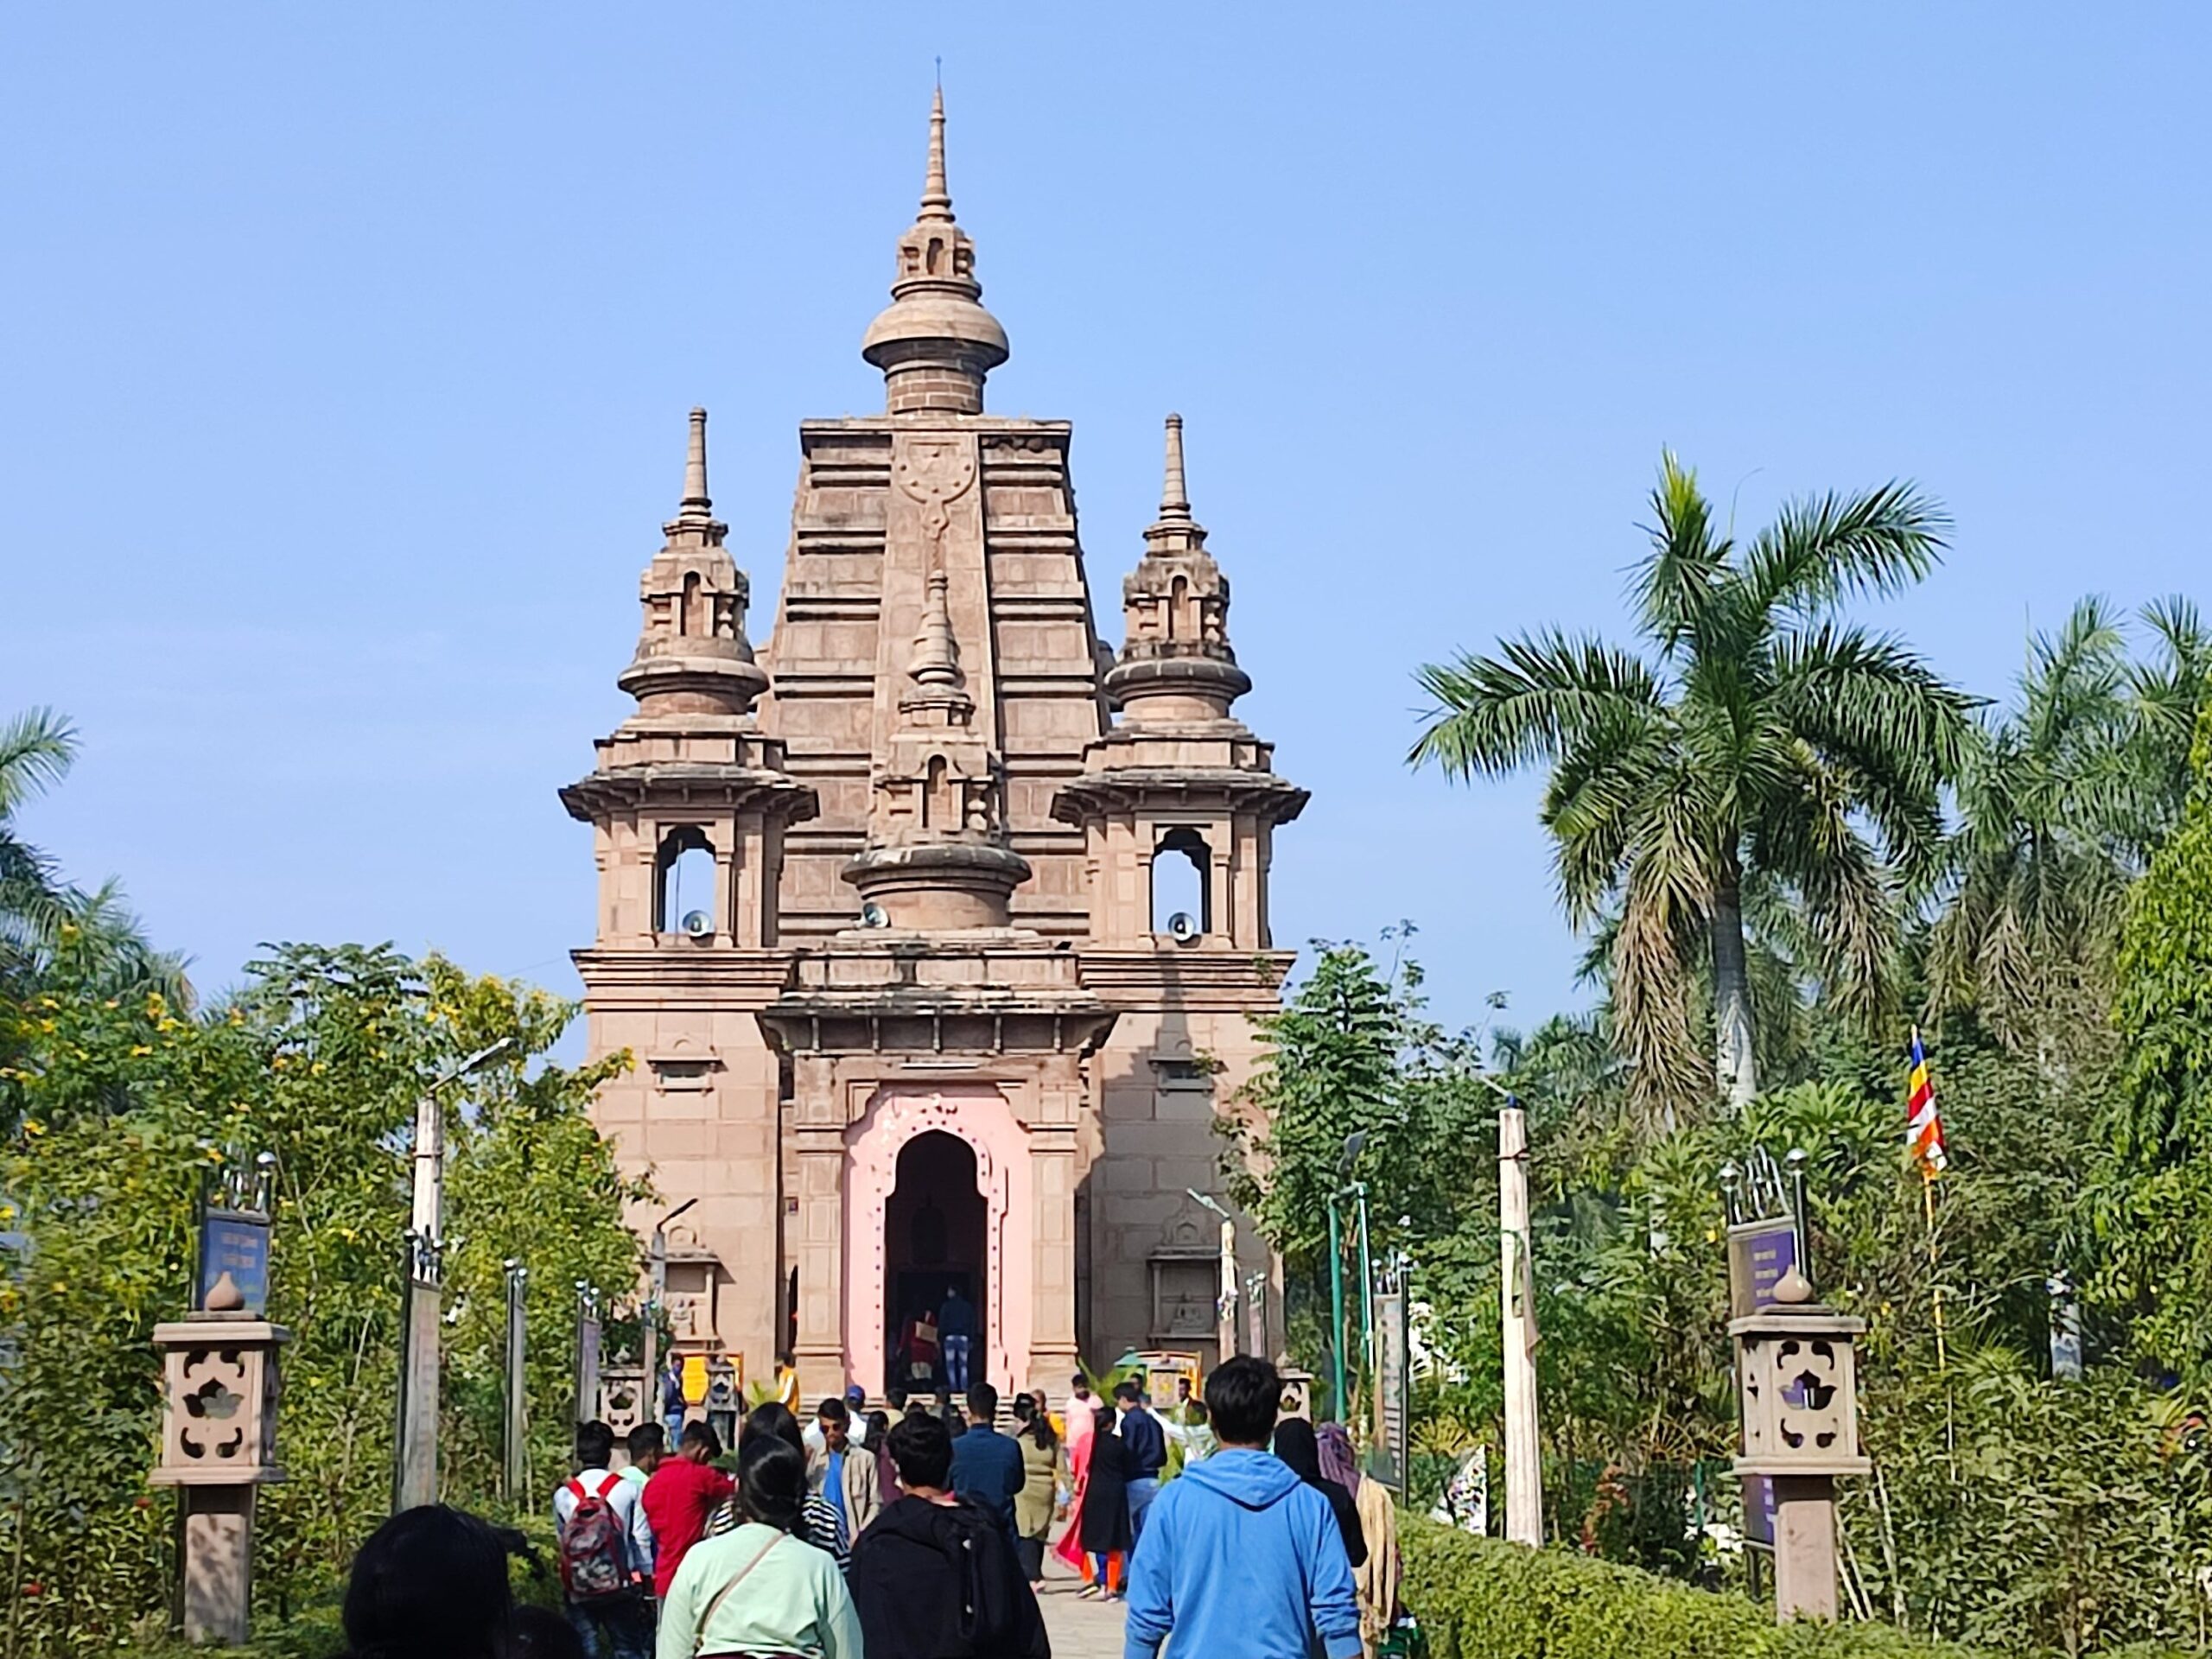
(140, 1049)
(32, 1126)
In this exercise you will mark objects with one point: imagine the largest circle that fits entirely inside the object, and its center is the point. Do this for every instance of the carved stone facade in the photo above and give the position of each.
(925, 1028)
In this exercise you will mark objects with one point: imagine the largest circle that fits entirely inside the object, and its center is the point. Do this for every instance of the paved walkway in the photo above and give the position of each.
(1080, 1630)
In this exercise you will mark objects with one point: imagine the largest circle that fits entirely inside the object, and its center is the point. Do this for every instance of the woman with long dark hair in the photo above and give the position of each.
(1043, 1464)
(1297, 1446)
(430, 1583)
(761, 1588)
(1105, 1499)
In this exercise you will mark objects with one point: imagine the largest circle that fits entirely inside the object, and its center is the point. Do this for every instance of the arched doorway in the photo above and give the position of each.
(935, 1246)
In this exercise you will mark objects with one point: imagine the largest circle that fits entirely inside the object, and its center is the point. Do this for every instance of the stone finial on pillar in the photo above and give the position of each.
(1174, 493)
(696, 509)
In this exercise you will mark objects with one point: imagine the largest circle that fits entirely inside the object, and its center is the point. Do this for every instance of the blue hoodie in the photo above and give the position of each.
(1240, 1560)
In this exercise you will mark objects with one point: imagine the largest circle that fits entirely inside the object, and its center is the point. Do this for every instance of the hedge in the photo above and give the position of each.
(1481, 1598)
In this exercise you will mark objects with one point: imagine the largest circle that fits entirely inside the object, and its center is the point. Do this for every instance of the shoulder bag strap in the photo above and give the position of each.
(699, 1635)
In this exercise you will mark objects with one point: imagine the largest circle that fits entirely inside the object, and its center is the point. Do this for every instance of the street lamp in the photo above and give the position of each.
(1224, 1306)
(648, 1337)
(1355, 1143)
(415, 1451)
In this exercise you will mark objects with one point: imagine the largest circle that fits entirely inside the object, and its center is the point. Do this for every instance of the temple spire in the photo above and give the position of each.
(935, 342)
(936, 195)
(697, 507)
(936, 664)
(1174, 494)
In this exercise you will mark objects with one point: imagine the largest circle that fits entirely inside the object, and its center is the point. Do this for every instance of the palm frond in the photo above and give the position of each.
(1824, 548)
(1490, 716)
(36, 748)
(1677, 584)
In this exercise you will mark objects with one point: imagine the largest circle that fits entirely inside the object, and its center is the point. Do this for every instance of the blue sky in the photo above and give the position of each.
(343, 355)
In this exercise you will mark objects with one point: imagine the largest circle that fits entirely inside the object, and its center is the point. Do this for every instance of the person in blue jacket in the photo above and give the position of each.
(1242, 1557)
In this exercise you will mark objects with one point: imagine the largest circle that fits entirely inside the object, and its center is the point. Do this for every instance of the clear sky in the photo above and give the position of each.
(345, 354)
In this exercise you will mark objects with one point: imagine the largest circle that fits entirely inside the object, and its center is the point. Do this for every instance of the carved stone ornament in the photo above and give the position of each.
(935, 472)
(219, 1402)
(1797, 1379)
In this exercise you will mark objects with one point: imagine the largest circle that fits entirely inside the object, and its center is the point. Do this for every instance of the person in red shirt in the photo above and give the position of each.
(684, 1492)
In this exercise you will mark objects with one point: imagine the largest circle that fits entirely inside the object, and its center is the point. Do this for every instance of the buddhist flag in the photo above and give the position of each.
(1924, 1124)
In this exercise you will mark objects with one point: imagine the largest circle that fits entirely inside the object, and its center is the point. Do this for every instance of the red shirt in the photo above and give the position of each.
(678, 1499)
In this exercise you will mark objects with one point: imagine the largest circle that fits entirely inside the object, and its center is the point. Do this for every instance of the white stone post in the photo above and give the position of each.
(1524, 1487)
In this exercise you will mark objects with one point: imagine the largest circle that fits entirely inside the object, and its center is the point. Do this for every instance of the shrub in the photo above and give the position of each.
(1479, 1599)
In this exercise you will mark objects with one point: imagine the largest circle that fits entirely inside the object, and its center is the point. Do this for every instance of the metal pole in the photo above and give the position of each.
(1336, 1304)
(515, 1472)
(1366, 1288)
(1525, 1491)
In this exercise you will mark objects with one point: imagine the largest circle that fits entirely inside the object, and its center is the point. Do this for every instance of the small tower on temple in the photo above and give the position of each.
(689, 799)
(1175, 663)
(935, 342)
(937, 855)
(1178, 802)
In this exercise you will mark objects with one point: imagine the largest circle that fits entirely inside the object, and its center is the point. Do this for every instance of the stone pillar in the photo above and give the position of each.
(1053, 1355)
(821, 1252)
(1804, 1545)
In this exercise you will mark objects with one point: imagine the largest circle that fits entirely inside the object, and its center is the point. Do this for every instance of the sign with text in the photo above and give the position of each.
(1759, 1253)
(233, 1247)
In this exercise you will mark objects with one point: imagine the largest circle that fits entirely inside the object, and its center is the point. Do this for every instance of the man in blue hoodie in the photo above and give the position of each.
(1246, 1559)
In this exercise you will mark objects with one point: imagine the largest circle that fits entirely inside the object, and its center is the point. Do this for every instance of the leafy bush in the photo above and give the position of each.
(1479, 1599)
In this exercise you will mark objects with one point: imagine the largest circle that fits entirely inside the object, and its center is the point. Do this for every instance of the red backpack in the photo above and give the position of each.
(595, 1554)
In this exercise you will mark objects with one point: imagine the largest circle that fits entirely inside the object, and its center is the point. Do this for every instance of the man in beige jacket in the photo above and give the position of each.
(844, 1473)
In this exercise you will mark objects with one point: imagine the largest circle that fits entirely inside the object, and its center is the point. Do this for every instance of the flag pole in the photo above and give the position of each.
(1935, 1282)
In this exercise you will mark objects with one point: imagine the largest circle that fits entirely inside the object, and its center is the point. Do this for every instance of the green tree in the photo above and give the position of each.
(117, 1104)
(2151, 1202)
(2060, 800)
(1763, 740)
(1351, 1054)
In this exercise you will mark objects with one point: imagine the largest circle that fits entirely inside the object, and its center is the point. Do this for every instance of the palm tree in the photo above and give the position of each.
(2060, 801)
(36, 748)
(1762, 744)
(50, 931)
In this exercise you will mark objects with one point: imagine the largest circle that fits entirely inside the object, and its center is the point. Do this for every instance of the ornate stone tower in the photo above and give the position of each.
(953, 1051)
(689, 787)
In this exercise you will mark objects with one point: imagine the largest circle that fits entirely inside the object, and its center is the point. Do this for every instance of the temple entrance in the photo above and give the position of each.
(936, 1256)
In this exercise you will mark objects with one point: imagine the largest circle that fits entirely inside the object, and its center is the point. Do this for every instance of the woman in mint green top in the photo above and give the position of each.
(759, 1590)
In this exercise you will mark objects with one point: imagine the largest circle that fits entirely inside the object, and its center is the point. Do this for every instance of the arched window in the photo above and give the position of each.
(1179, 597)
(686, 870)
(1182, 880)
(936, 795)
(936, 256)
(691, 609)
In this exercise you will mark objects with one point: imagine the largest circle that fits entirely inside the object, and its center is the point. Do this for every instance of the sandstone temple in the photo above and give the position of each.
(934, 925)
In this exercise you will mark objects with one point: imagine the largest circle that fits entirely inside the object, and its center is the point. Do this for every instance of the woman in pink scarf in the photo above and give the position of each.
(1081, 1427)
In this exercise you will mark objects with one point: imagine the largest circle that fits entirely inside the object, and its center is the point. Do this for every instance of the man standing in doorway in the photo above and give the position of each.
(955, 1326)
(1144, 1450)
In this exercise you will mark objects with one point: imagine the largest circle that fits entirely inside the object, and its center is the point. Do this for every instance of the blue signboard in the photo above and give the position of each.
(233, 1247)
(1759, 1253)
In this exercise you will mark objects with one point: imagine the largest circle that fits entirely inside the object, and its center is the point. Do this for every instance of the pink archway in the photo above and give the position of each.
(978, 1114)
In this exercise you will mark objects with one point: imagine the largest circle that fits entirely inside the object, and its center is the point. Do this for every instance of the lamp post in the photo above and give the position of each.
(415, 1460)
(1524, 1483)
(649, 1340)
(1224, 1305)
(1355, 1143)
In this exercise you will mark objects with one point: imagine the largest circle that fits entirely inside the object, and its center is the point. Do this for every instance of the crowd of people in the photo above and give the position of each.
(919, 1533)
